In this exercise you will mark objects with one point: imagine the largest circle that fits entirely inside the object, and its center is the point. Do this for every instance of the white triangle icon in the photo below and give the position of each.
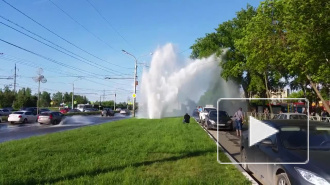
(259, 131)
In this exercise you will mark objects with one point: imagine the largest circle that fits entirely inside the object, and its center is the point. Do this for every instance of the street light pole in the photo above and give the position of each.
(72, 95)
(79, 78)
(135, 71)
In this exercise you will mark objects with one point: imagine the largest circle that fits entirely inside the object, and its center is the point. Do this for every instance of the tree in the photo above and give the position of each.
(45, 99)
(67, 97)
(81, 99)
(25, 99)
(234, 61)
(307, 25)
(7, 97)
(57, 98)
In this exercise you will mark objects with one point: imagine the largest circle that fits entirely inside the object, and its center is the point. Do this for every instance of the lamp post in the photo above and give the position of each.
(135, 69)
(72, 106)
(39, 78)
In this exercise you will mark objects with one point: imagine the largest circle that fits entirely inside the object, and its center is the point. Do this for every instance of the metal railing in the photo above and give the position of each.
(263, 116)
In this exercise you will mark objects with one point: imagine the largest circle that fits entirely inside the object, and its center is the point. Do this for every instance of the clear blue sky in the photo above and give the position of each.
(139, 27)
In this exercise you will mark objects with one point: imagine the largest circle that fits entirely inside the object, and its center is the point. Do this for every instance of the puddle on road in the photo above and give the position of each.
(9, 127)
(76, 121)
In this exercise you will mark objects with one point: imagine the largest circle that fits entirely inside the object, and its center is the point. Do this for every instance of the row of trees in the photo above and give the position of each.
(282, 42)
(25, 98)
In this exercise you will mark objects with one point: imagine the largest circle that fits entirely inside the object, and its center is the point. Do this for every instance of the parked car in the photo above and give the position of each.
(195, 113)
(89, 110)
(289, 145)
(205, 112)
(118, 109)
(50, 117)
(30, 109)
(107, 112)
(9, 108)
(22, 117)
(4, 112)
(74, 110)
(124, 111)
(64, 110)
(43, 110)
(291, 116)
(224, 120)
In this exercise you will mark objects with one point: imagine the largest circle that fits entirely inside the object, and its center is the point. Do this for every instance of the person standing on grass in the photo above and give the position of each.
(186, 118)
(239, 121)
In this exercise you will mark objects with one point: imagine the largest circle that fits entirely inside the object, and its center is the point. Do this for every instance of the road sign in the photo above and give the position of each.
(134, 95)
(75, 102)
(259, 131)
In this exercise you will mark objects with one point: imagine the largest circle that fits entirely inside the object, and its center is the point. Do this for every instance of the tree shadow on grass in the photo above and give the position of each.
(114, 168)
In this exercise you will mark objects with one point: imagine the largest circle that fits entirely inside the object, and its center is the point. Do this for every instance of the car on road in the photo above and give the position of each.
(22, 117)
(118, 109)
(4, 112)
(30, 109)
(124, 111)
(205, 112)
(50, 118)
(291, 116)
(290, 145)
(107, 112)
(89, 110)
(74, 110)
(224, 120)
(43, 110)
(64, 110)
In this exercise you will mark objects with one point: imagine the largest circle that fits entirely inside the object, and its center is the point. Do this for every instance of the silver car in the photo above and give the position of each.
(22, 117)
(52, 118)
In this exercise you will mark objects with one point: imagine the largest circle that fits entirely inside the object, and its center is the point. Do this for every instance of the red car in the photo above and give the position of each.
(64, 110)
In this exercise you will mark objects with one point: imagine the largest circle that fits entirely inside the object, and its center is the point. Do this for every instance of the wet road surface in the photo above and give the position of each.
(19, 131)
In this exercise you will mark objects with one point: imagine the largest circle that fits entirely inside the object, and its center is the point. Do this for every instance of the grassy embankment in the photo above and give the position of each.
(131, 151)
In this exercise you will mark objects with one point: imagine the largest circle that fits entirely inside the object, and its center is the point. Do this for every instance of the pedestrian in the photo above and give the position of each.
(266, 113)
(186, 118)
(200, 109)
(239, 121)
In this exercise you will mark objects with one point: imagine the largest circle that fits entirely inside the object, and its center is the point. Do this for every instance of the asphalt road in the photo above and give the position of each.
(232, 143)
(19, 131)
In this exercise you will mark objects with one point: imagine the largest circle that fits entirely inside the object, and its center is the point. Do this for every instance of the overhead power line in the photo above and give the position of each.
(8, 20)
(30, 64)
(74, 20)
(92, 64)
(57, 34)
(46, 58)
(109, 24)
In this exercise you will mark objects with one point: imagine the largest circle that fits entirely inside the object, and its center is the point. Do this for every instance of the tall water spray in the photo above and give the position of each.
(173, 86)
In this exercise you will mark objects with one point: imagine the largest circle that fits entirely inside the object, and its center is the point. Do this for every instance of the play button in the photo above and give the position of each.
(259, 131)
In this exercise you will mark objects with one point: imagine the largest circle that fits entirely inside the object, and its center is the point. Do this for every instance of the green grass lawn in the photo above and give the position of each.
(131, 151)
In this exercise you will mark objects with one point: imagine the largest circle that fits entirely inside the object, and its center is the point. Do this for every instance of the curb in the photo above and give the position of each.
(233, 160)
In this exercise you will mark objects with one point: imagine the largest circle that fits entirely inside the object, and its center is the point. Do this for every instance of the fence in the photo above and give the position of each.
(263, 116)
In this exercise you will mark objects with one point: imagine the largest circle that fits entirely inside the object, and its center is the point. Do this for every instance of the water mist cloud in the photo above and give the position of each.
(172, 86)
(171, 82)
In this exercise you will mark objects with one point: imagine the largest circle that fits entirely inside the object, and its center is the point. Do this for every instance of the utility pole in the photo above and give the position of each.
(15, 80)
(72, 94)
(114, 105)
(100, 102)
(103, 95)
(135, 82)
